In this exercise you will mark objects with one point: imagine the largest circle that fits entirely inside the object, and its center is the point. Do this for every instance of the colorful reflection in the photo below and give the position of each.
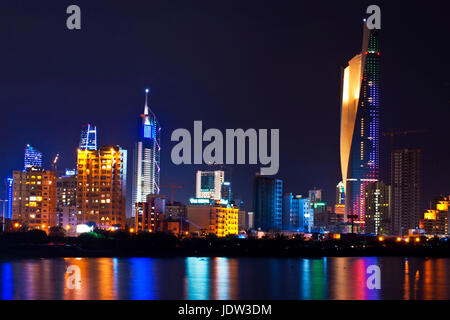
(142, 279)
(7, 281)
(225, 278)
(314, 279)
(197, 278)
(221, 279)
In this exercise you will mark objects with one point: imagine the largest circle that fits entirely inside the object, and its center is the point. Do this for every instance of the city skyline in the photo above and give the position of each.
(318, 169)
(233, 158)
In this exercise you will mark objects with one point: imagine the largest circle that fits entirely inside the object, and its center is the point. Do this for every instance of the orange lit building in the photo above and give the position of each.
(213, 218)
(101, 185)
(436, 221)
(34, 198)
(223, 220)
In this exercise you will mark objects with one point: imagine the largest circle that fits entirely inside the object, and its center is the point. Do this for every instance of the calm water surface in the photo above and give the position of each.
(225, 278)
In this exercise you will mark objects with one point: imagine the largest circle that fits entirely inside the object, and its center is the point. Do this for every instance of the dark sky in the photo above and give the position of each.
(232, 64)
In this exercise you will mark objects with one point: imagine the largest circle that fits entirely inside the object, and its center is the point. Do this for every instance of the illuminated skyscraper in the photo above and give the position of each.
(268, 203)
(146, 171)
(88, 140)
(360, 125)
(101, 185)
(33, 157)
(9, 197)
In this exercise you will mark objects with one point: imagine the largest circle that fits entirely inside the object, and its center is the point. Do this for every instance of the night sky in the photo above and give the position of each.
(231, 64)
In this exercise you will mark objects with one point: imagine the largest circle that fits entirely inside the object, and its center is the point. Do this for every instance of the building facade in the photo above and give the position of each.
(66, 190)
(150, 214)
(405, 184)
(307, 214)
(378, 206)
(66, 218)
(223, 220)
(101, 186)
(293, 220)
(226, 191)
(209, 184)
(268, 203)
(9, 197)
(436, 221)
(146, 162)
(213, 218)
(33, 157)
(88, 139)
(360, 125)
(34, 198)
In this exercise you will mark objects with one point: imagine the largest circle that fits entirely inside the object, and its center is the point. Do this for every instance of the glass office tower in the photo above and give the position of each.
(146, 171)
(33, 157)
(360, 126)
(88, 139)
(268, 203)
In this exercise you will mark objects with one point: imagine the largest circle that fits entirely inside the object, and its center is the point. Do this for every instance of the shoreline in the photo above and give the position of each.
(38, 245)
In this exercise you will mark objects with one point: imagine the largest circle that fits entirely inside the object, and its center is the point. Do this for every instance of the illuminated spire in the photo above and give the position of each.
(146, 105)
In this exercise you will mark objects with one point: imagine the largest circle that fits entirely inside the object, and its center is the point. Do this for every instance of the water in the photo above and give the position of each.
(225, 278)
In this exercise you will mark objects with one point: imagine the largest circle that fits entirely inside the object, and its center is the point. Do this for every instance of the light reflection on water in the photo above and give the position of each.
(225, 278)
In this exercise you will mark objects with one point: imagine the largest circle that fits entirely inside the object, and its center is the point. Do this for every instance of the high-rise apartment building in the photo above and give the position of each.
(101, 186)
(360, 125)
(268, 203)
(88, 140)
(405, 188)
(146, 170)
(209, 184)
(378, 206)
(66, 190)
(34, 198)
(33, 157)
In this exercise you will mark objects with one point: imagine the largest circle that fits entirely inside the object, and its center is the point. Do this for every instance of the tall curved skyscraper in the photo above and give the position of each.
(146, 169)
(360, 125)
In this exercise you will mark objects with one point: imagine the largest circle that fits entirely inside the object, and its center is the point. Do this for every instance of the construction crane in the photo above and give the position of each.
(394, 132)
(173, 186)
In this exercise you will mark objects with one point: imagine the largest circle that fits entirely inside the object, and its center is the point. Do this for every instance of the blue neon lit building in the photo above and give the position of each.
(360, 125)
(268, 203)
(146, 171)
(33, 157)
(9, 197)
(88, 140)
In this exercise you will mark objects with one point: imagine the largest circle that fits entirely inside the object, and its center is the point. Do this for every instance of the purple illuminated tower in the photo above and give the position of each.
(360, 126)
